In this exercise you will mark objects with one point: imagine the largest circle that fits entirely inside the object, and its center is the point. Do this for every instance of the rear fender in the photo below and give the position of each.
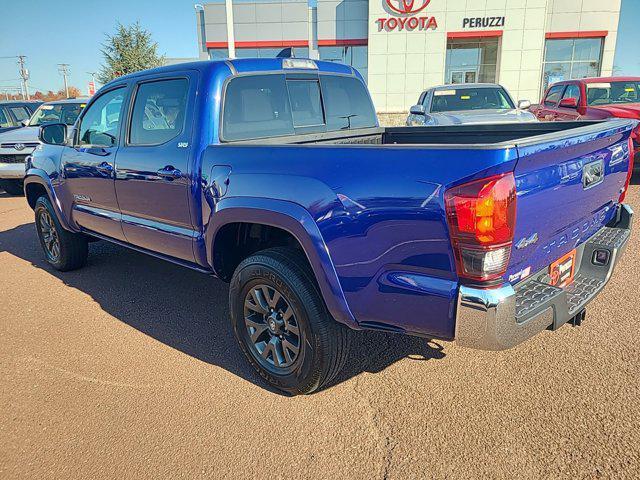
(40, 177)
(299, 223)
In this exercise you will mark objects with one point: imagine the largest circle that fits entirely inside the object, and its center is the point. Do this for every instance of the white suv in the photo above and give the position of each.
(16, 145)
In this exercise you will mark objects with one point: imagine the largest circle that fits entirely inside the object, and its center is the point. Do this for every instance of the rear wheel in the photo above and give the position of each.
(282, 324)
(63, 250)
(12, 187)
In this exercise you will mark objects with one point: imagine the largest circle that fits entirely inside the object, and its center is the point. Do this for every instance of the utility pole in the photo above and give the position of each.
(63, 68)
(24, 74)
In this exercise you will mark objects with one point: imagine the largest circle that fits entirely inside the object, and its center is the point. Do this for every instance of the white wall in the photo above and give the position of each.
(404, 63)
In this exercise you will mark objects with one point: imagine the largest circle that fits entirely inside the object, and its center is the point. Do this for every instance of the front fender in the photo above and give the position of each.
(40, 177)
(298, 222)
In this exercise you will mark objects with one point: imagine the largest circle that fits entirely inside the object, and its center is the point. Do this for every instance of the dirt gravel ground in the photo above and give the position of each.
(128, 369)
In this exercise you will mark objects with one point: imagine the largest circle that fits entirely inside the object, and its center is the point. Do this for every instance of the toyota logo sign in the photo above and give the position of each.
(407, 7)
(404, 16)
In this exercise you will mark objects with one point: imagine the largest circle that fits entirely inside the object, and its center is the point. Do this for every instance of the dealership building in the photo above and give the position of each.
(402, 47)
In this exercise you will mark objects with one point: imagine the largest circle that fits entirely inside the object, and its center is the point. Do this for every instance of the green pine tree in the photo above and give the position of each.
(131, 49)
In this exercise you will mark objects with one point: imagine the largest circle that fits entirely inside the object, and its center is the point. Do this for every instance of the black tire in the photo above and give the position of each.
(72, 250)
(12, 187)
(323, 342)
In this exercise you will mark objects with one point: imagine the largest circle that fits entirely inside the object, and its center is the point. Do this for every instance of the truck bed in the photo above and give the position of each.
(377, 197)
(477, 135)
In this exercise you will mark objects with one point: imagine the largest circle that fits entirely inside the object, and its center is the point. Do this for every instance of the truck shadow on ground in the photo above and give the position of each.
(187, 310)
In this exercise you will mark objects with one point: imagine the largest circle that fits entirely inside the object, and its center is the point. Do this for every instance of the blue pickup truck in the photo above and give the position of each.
(273, 175)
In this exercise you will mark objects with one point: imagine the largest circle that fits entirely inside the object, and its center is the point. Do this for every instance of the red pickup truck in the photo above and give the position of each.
(593, 99)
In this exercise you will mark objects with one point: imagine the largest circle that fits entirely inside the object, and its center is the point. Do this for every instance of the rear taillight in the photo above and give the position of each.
(482, 216)
(629, 173)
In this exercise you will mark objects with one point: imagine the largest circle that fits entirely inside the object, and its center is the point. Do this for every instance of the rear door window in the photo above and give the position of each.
(553, 95)
(257, 106)
(158, 112)
(347, 103)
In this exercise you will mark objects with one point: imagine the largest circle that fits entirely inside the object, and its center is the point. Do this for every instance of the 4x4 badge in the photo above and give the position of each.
(526, 241)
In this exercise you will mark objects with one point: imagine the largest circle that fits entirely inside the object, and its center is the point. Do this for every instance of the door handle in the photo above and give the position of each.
(104, 167)
(169, 172)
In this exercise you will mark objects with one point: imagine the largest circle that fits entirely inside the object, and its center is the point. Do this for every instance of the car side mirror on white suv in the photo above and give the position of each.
(417, 110)
(524, 104)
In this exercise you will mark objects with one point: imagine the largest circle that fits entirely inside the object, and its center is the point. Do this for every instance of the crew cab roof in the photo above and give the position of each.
(599, 80)
(462, 86)
(242, 65)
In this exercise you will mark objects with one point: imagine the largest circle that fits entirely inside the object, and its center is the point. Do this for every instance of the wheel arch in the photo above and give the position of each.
(296, 222)
(37, 183)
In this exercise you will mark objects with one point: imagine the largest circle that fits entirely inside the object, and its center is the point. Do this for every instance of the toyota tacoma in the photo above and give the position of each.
(273, 175)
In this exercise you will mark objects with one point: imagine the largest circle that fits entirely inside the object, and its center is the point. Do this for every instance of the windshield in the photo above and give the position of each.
(455, 100)
(613, 92)
(58, 113)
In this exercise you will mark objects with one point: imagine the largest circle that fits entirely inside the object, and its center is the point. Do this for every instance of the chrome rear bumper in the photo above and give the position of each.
(501, 318)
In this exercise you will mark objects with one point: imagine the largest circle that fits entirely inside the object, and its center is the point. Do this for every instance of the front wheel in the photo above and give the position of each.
(12, 187)
(282, 324)
(63, 250)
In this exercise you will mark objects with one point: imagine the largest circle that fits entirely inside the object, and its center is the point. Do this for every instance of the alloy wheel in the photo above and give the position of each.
(273, 329)
(50, 238)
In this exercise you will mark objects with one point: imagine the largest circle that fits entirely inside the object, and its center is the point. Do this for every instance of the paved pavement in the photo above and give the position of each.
(128, 369)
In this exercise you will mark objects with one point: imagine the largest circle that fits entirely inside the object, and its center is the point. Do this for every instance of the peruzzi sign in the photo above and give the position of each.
(405, 16)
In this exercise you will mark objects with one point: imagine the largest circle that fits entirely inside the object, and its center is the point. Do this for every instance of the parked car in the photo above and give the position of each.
(468, 103)
(593, 99)
(16, 145)
(13, 113)
(280, 181)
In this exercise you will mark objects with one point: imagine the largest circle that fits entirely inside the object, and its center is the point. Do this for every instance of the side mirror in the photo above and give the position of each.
(524, 104)
(417, 110)
(53, 134)
(25, 122)
(571, 102)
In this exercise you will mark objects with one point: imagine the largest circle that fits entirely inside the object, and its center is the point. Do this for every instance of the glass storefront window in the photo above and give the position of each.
(471, 61)
(218, 53)
(355, 56)
(565, 59)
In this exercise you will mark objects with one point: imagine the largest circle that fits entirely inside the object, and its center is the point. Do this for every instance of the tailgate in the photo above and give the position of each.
(568, 184)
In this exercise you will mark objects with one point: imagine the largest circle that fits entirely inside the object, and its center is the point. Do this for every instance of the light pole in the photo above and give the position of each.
(93, 83)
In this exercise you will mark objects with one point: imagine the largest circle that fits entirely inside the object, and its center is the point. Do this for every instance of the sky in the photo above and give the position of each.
(72, 31)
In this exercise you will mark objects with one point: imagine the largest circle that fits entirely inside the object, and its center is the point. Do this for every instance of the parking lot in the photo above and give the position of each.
(128, 368)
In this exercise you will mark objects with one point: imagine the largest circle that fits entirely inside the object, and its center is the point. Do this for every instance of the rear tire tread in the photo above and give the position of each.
(334, 337)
